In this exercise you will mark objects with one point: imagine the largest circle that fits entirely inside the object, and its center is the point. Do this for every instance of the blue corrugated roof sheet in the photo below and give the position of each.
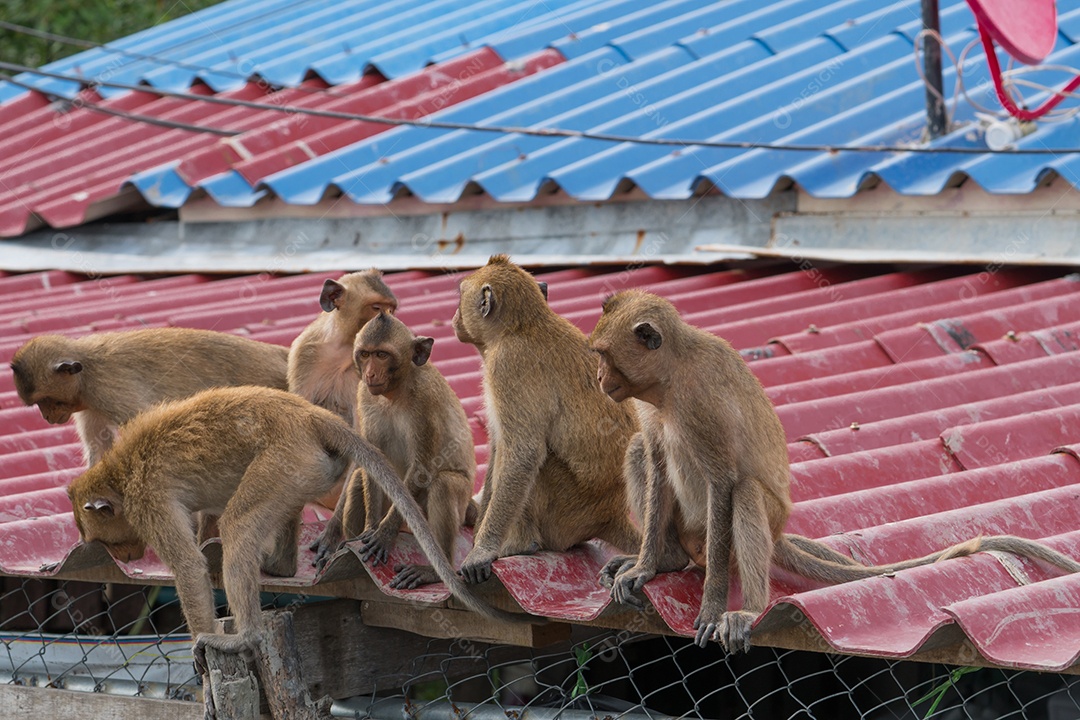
(787, 71)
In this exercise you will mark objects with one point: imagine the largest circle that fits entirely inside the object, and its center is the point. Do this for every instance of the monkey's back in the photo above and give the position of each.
(203, 445)
(549, 372)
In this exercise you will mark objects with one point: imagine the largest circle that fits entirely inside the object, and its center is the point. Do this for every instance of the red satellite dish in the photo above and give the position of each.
(1026, 29)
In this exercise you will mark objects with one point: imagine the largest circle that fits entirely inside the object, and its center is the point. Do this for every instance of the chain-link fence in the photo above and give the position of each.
(129, 640)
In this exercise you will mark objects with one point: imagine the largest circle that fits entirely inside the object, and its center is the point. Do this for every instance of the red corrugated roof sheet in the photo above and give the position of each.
(922, 408)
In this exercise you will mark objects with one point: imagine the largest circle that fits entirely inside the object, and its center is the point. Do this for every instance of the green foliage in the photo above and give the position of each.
(938, 693)
(582, 655)
(96, 20)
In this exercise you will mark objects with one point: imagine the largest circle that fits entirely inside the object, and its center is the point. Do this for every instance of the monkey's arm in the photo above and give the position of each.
(97, 434)
(625, 574)
(485, 492)
(513, 474)
(718, 551)
(343, 519)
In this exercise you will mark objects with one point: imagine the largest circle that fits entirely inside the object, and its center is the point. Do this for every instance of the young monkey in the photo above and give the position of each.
(405, 408)
(253, 455)
(320, 358)
(709, 472)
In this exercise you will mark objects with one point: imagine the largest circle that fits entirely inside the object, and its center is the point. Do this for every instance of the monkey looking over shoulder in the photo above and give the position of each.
(320, 358)
(554, 475)
(254, 456)
(106, 379)
(406, 408)
(709, 472)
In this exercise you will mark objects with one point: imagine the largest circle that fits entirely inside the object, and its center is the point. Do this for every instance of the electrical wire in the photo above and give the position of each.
(135, 117)
(531, 131)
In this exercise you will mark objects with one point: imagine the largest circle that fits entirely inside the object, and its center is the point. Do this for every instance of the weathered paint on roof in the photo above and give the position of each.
(786, 71)
(922, 407)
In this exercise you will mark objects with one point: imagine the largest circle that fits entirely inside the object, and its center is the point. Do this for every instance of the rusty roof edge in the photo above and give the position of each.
(623, 233)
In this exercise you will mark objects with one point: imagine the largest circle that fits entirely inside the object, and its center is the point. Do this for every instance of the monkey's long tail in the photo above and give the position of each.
(341, 439)
(813, 560)
(819, 562)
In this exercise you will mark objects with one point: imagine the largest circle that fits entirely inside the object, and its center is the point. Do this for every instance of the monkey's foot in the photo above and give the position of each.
(630, 581)
(375, 545)
(477, 566)
(229, 643)
(730, 629)
(410, 576)
(615, 566)
(327, 543)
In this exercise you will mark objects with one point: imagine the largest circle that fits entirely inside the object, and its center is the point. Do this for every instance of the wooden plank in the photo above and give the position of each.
(30, 702)
(230, 687)
(454, 624)
(282, 676)
(342, 657)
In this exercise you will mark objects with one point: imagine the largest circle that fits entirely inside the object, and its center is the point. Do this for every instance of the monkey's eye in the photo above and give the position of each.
(382, 354)
(364, 354)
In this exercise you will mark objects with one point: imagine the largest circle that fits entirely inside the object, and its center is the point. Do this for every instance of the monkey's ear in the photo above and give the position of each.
(331, 294)
(543, 289)
(487, 300)
(421, 350)
(68, 367)
(648, 335)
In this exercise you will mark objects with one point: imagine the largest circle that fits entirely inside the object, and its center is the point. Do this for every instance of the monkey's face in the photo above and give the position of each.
(56, 412)
(379, 368)
(100, 518)
(612, 380)
(627, 348)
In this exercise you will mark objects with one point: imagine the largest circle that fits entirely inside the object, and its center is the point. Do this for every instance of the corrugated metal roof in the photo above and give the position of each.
(787, 71)
(922, 407)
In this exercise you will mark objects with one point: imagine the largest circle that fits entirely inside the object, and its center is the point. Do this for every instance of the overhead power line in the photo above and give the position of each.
(532, 131)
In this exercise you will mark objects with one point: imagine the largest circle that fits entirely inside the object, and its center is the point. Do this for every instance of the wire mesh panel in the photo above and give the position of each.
(131, 640)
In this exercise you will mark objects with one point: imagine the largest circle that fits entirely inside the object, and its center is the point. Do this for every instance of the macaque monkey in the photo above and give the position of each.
(406, 409)
(320, 359)
(554, 474)
(106, 379)
(709, 473)
(254, 456)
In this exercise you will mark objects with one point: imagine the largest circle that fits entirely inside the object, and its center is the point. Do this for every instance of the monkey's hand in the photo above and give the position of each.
(730, 629)
(410, 576)
(477, 566)
(327, 543)
(375, 544)
(630, 581)
(615, 566)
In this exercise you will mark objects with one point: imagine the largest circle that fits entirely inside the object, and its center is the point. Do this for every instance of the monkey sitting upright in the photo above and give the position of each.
(709, 472)
(554, 475)
(320, 358)
(406, 408)
(253, 455)
(106, 379)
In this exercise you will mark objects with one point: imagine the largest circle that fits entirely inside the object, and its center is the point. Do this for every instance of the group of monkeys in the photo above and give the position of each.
(188, 432)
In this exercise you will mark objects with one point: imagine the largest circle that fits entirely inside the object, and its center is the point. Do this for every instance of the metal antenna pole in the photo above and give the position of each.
(935, 103)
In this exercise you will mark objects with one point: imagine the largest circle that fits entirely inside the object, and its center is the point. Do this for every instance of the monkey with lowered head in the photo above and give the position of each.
(709, 472)
(254, 456)
(554, 474)
(406, 408)
(106, 379)
(320, 358)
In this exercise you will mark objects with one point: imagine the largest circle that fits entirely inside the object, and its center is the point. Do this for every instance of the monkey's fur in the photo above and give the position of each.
(320, 358)
(405, 408)
(554, 474)
(253, 455)
(106, 379)
(710, 469)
